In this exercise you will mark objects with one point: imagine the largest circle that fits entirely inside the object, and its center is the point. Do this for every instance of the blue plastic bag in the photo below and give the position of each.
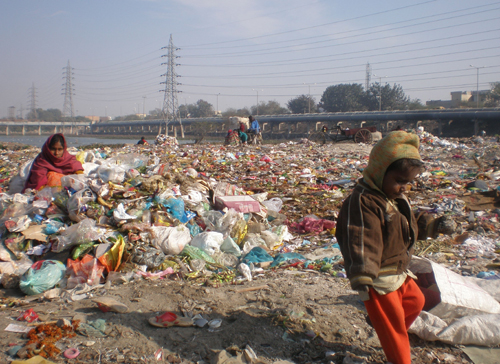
(42, 276)
(175, 207)
(257, 255)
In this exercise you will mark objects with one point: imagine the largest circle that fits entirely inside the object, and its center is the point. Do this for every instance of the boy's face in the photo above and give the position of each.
(395, 182)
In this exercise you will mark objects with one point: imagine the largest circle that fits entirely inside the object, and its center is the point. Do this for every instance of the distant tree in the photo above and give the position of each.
(201, 109)
(270, 108)
(45, 115)
(416, 104)
(236, 112)
(154, 114)
(184, 111)
(393, 98)
(493, 98)
(130, 117)
(302, 105)
(344, 97)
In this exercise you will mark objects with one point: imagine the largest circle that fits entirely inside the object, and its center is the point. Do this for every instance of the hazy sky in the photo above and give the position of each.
(233, 51)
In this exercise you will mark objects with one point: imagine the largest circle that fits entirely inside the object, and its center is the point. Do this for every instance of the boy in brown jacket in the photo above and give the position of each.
(376, 231)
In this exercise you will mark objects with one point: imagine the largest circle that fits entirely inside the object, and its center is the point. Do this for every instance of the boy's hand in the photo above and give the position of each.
(362, 288)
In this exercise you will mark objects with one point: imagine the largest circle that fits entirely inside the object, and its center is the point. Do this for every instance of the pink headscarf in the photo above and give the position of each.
(46, 162)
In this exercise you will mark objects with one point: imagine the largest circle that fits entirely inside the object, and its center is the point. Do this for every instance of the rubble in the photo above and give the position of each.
(180, 217)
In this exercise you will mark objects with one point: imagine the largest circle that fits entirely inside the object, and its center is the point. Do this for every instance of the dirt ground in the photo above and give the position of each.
(300, 316)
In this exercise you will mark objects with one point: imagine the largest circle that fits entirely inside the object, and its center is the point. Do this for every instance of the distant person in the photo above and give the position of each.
(51, 164)
(324, 129)
(143, 141)
(242, 126)
(254, 125)
(243, 136)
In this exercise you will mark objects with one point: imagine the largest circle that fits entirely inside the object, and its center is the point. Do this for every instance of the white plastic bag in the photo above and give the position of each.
(81, 233)
(274, 204)
(209, 242)
(171, 240)
(111, 173)
(74, 181)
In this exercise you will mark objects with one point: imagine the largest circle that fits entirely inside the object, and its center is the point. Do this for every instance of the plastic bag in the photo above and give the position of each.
(251, 241)
(111, 173)
(257, 255)
(81, 233)
(74, 181)
(77, 202)
(209, 242)
(171, 240)
(148, 256)
(213, 220)
(87, 270)
(42, 275)
(112, 259)
(230, 247)
(196, 253)
(272, 240)
(175, 207)
(245, 271)
(274, 204)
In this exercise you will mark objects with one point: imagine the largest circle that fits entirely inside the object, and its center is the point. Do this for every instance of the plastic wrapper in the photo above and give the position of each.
(175, 207)
(171, 240)
(112, 259)
(18, 224)
(209, 242)
(42, 276)
(81, 233)
(77, 204)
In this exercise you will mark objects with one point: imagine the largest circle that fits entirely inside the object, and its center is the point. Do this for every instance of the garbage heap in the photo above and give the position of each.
(217, 214)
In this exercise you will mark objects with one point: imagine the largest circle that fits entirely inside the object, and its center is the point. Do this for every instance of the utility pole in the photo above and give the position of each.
(379, 91)
(477, 84)
(68, 110)
(368, 76)
(170, 108)
(32, 92)
(144, 106)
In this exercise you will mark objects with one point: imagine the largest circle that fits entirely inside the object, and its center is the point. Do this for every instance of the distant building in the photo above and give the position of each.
(12, 112)
(104, 118)
(457, 98)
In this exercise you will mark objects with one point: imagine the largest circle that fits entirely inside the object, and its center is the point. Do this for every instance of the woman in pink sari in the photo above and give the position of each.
(51, 164)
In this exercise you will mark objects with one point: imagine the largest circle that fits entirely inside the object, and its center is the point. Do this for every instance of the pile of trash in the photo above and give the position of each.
(218, 214)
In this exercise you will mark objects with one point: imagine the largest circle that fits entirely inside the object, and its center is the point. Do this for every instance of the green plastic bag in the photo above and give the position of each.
(196, 253)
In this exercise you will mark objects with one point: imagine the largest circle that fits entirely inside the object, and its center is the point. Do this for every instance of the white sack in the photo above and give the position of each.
(482, 330)
(459, 296)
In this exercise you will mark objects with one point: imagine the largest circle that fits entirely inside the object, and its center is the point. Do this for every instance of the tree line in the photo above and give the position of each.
(336, 98)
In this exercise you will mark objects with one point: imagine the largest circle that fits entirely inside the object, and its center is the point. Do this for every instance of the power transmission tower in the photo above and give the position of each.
(32, 93)
(368, 76)
(68, 109)
(170, 108)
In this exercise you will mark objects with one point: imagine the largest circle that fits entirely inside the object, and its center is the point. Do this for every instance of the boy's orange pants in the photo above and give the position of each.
(391, 316)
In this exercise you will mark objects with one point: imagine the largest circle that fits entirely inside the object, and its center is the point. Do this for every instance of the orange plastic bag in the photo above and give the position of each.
(86, 270)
